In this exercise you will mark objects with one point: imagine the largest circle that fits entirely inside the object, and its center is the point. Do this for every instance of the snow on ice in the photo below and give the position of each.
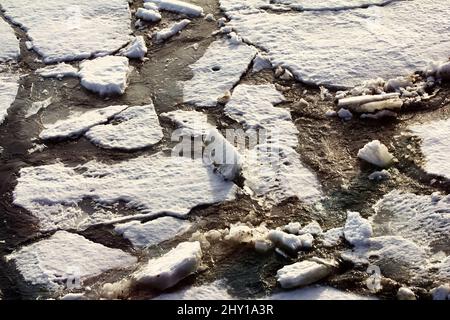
(52, 262)
(59, 71)
(138, 127)
(364, 39)
(9, 50)
(72, 29)
(164, 34)
(190, 123)
(435, 146)
(220, 68)
(105, 75)
(137, 49)
(154, 232)
(8, 91)
(178, 7)
(212, 291)
(376, 153)
(148, 15)
(316, 293)
(150, 184)
(357, 230)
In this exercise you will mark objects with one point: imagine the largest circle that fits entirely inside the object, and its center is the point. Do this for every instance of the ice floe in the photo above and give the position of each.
(151, 233)
(66, 257)
(8, 91)
(376, 153)
(212, 291)
(317, 293)
(73, 29)
(150, 184)
(131, 129)
(149, 15)
(405, 293)
(9, 50)
(178, 7)
(59, 71)
(303, 273)
(357, 230)
(366, 42)
(105, 75)
(38, 106)
(217, 72)
(166, 33)
(137, 49)
(435, 146)
(190, 123)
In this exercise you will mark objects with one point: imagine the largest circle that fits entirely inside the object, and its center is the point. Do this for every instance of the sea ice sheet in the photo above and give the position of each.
(8, 92)
(9, 49)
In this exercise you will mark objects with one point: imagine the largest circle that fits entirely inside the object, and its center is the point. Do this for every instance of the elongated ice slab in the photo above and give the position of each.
(9, 48)
(178, 7)
(72, 29)
(59, 70)
(66, 258)
(8, 92)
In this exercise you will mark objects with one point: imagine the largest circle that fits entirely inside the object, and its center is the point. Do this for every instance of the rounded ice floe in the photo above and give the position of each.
(153, 232)
(105, 75)
(66, 258)
(72, 29)
(8, 91)
(138, 127)
(376, 153)
(220, 68)
(365, 41)
(166, 271)
(302, 273)
(435, 146)
(357, 230)
(9, 49)
(150, 185)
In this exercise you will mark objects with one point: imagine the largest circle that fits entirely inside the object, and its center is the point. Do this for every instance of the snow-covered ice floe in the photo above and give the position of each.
(435, 146)
(178, 7)
(148, 15)
(152, 185)
(105, 75)
(72, 29)
(190, 123)
(166, 33)
(329, 4)
(365, 42)
(9, 49)
(8, 91)
(151, 233)
(217, 72)
(137, 49)
(64, 257)
(59, 71)
(317, 293)
(212, 291)
(303, 273)
(138, 127)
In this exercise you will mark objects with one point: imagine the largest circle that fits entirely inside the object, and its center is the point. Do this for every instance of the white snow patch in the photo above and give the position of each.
(435, 146)
(164, 34)
(9, 49)
(105, 75)
(178, 7)
(72, 29)
(59, 71)
(154, 232)
(217, 72)
(138, 128)
(53, 261)
(376, 153)
(8, 91)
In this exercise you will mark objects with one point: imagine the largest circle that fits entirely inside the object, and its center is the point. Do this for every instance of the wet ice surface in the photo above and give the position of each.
(107, 177)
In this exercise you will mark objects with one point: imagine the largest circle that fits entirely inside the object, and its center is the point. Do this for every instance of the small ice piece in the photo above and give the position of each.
(284, 240)
(302, 274)
(8, 91)
(292, 227)
(212, 291)
(59, 71)
(397, 83)
(441, 293)
(74, 296)
(151, 6)
(190, 123)
(149, 15)
(210, 17)
(105, 75)
(344, 114)
(376, 153)
(137, 49)
(77, 125)
(332, 237)
(166, 271)
(405, 293)
(361, 100)
(307, 240)
(38, 106)
(357, 231)
(443, 71)
(178, 7)
(217, 72)
(154, 232)
(380, 175)
(313, 228)
(9, 50)
(331, 113)
(137, 128)
(164, 34)
(261, 62)
(240, 234)
(65, 256)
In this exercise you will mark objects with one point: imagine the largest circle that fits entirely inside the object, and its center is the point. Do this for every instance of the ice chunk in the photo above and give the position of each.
(379, 175)
(212, 291)
(151, 185)
(137, 49)
(435, 146)
(302, 274)
(164, 34)
(317, 293)
(59, 71)
(405, 293)
(376, 153)
(166, 271)
(77, 125)
(357, 230)
(292, 227)
(72, 29)
(191, 123)
(333, 237)
(313, 228)
(148, 15)
(361, 100)
(38, 106)
(151, 233)
(138, 127)
(9, 50)
(441, 293)
(220, 68)
(9, 87)
(178, 7)
(65, 257)
(345, 114)
(105, 75)
(290, 242)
